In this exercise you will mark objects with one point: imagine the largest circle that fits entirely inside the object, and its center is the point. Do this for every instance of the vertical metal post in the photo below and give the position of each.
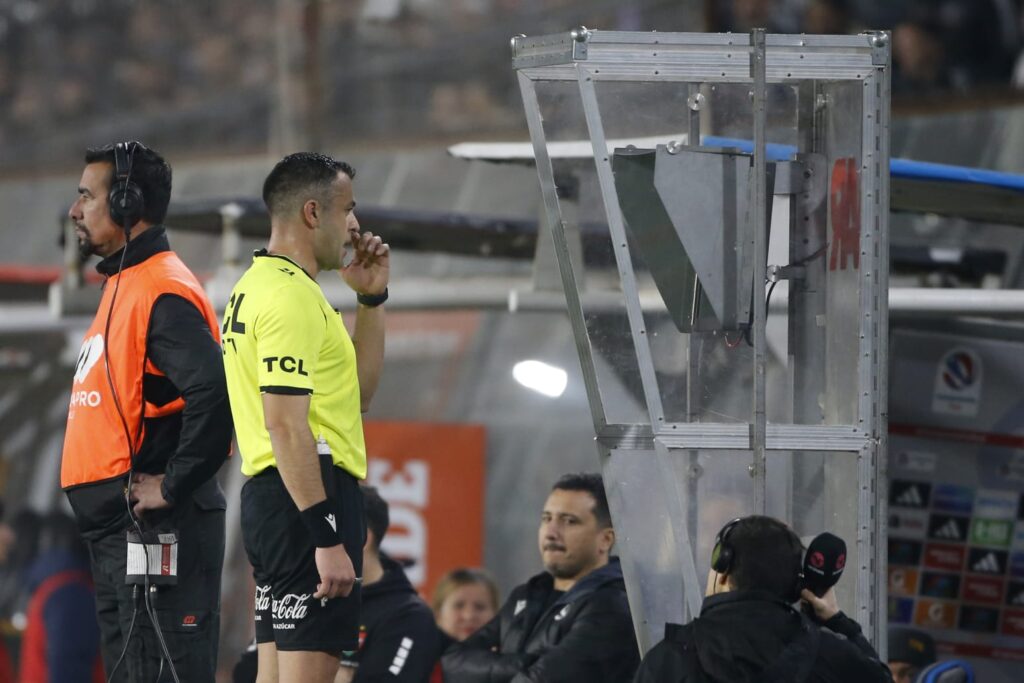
(572, 292)
(617, 228)
(759, 209)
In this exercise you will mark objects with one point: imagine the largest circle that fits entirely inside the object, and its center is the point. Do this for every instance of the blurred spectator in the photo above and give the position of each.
(61, 643)
(828, 17)
(464, 600)
(919, 58)
(7, 539)
(569, 623)
(910, 652)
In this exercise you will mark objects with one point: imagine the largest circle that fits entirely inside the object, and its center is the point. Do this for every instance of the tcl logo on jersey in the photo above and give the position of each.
(286, 364)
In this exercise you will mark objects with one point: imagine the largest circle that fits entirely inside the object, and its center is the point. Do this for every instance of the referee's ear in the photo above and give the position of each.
(311, 213)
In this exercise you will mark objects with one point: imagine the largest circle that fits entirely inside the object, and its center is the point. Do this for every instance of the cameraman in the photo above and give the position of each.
(748, 629)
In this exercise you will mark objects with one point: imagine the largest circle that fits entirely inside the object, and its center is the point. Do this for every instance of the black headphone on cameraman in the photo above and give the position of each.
(723, 555)
(125, 201)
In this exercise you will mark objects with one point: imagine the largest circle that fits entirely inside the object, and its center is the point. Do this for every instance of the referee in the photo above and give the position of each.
(298, 385)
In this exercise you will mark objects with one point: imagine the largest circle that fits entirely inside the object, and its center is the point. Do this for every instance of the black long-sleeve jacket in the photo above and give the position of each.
(742, 637)
(187, 447)
(398, 639)
(584, 635)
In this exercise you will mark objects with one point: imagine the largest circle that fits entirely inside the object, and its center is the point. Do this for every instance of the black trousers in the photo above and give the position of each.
(188, 613)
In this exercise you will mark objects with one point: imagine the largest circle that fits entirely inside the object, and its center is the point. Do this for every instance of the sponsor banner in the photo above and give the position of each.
(432, 476)
(996, 504)
(991, 532)
(908, 523)
(979, 619)
(935, 614)
(904, 552)
(1013, 623)
(983, 589)
(901, 610)
(1015, 594)
(944, 556)
(987, 561)
(1017, 565)
(909, 494)
(953, 498)
(948, 528)
(916, 461)
(981, 651)
(945, 586)
(903, 581)
(958, 381)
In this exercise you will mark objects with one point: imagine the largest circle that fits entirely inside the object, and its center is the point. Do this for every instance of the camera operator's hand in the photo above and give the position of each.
(824, 607)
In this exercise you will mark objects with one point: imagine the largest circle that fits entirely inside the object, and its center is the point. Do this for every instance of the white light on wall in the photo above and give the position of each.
(541, 377)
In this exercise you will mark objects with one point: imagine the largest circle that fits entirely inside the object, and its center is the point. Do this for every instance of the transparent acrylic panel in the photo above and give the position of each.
(815, 492)
(696, 334)
(592, 253)
(667, 510)
(843, 117)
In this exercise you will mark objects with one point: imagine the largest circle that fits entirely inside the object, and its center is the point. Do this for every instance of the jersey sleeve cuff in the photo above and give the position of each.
(288, 391)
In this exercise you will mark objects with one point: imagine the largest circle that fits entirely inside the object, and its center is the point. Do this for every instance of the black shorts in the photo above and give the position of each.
(281, 553)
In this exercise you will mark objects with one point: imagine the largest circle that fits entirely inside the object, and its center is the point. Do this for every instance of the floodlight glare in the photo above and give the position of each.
(541, 377)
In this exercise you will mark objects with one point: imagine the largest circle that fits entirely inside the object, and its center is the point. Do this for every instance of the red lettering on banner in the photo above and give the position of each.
(944, 556)
(1013, 623)
(844, 201)
(983, 589)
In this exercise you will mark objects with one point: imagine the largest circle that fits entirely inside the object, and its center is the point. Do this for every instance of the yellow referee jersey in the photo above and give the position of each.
(281, 336)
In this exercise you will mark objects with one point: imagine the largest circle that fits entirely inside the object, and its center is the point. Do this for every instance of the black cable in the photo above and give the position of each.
(128, 638)
(131, 458)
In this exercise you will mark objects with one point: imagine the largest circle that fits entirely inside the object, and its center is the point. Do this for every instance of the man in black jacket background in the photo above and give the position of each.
(748, 630)
(570, 623)
(398, 639)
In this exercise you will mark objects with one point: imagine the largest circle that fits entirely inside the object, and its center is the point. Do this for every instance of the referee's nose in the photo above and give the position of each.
(352, 224)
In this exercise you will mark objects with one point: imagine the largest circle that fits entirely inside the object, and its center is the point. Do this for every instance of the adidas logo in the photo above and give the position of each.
(950, 530)
(330, 520)
(911, 498)
(989, 564)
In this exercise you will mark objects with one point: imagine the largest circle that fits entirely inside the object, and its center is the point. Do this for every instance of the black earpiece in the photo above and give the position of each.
(125, 200)
(722, 554)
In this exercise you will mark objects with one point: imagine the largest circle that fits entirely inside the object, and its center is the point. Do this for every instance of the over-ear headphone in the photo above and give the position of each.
(125, 200)
(722, 554)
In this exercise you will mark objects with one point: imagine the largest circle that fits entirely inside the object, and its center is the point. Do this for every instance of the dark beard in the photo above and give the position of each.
(85, 247)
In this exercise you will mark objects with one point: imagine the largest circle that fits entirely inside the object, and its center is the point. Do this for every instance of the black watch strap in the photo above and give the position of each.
(372, 300)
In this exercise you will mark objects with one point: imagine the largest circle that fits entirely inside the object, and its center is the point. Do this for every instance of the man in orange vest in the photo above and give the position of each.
(148, 427)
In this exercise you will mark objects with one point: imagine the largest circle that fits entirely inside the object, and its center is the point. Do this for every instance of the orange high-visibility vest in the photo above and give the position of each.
(95, 444)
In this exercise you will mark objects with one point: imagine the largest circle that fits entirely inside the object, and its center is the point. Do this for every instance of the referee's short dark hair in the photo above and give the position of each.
(377, 517)
(592, 484)
(301, 176)
(767, 556)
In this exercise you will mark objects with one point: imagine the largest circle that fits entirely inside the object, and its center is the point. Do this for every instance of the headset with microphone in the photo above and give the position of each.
(822, 565)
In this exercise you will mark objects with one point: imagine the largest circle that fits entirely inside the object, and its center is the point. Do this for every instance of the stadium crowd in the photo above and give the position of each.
(182, 74)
